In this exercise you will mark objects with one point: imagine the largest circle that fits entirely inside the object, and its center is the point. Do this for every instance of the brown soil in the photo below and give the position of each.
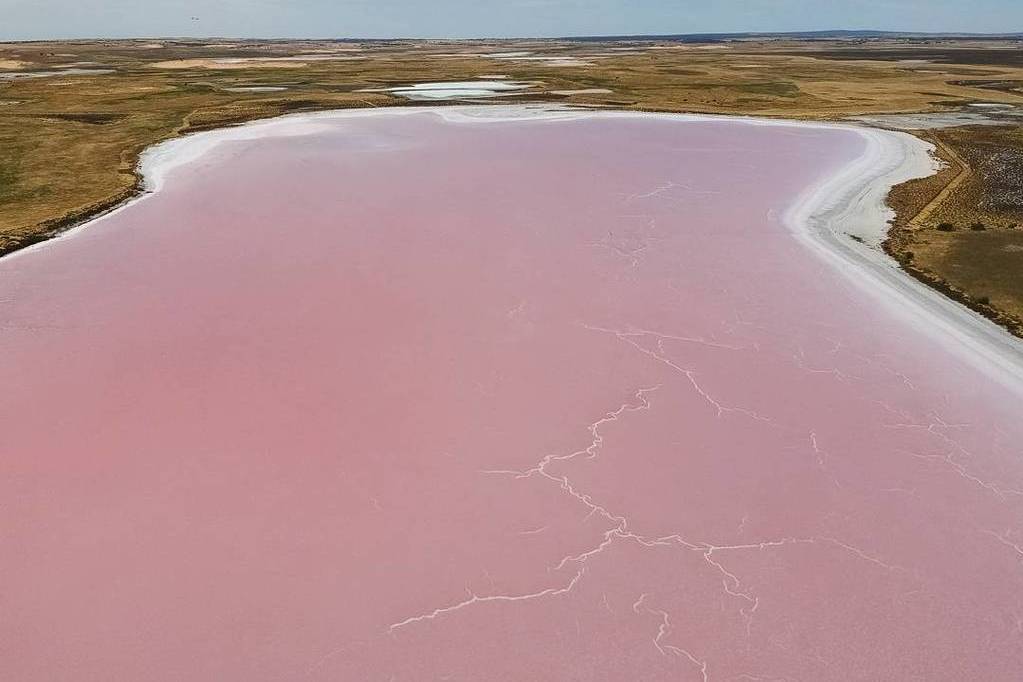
(960, 231)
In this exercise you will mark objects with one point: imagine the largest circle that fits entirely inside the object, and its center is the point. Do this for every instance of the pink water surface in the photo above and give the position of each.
(417, 399)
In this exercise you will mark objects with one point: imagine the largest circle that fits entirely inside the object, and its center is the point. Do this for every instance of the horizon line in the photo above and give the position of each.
(711, 35)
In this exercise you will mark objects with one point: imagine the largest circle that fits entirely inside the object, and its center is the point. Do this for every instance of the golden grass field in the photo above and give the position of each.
(961, 231)
(74, 117)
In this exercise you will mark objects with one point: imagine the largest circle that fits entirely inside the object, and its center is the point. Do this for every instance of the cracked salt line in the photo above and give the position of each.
(662, 631)
(809, 541)
(690, 375)
(821, 457)
(620, 245)
(475, 599)
(731, 584)
(1004, 539)
(800, 361)
(960, 470)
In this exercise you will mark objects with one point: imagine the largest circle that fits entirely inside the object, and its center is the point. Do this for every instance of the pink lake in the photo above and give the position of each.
(407, 397)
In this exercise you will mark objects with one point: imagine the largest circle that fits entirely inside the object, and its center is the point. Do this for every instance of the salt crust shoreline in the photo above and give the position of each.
(850, 202)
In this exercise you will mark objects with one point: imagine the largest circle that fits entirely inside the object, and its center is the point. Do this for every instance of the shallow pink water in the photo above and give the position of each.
(412, 399)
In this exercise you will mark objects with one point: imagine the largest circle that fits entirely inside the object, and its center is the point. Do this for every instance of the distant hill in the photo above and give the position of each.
(797, 35)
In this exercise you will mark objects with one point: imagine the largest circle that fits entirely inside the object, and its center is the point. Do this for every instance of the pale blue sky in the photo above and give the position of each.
(24, 19)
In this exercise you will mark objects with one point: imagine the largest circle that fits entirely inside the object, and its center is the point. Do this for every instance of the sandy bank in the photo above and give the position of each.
(853, 202)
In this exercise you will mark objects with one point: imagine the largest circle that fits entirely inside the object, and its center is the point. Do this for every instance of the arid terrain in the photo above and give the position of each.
(74, 117)
(967, 239)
